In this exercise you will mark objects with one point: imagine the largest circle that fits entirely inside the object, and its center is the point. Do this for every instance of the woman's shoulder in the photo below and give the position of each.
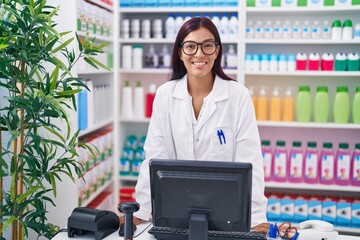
(166, 88)
(235, 87)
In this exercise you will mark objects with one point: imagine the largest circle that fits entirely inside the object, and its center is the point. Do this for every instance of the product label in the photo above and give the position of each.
(327, 167)
(280, 165)
(356, 170)
(311, 166)
(343, 167)
(267, 164)
(124, 166)
(296, 161)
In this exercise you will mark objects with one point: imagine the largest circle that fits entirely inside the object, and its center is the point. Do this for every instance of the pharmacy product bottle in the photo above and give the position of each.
(296, 34)
(139, 101)
(301, 61)
(224, 26)
(340, 62)
(83, 110)
(216, 20)
(325, 30)
(264, 63)
(296, 163)
(268, 30)
(150, 100)
(187, 17)
(170, 27)
(280, 162)
(262, 106)
(288, 111)
(311, 164)
(157, 28)
(274, 63)
(135, 28)
(357, 31)
(347, 30)
(336, 30)
(231, 58)
(151, 58)
(287, 30)
(282, 63)
(250, 29)
(341, 105)
(233, 26)
(248, 62)
(355, 166)
(314, 61)
(321, 105)
(255, 62)
(164, 57)
(179, 20)
(259, 29)
(137, 59)
(327, 62)
(356, 106)
(277, 30)
(315, 30)
(303, 104)
(275, 105)
(126, 101)
(327, 164)
(145, 28)
(306, 31)
(267, 159)
(353, 62)
(342, 165)
(253, 97)
(291, 63)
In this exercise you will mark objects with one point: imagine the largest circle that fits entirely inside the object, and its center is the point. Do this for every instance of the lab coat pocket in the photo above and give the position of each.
(221, 141)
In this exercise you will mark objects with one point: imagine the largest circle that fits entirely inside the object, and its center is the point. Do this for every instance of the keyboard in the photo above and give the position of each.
(166, 233)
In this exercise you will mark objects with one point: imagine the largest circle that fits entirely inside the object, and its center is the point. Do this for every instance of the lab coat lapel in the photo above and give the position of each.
(219, 92)
(181, 94)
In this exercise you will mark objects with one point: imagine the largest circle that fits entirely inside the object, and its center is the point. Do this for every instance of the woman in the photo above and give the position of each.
(189, 111)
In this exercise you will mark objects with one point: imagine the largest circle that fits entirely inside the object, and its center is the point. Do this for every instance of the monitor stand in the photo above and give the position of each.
(198, 226)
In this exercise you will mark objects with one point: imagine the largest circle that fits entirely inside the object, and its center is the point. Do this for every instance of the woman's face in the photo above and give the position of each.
(199, 65)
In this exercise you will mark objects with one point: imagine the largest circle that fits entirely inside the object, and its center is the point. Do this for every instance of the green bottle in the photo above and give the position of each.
(356, 106)
(321, 105)
(303, 104)
(341, 105)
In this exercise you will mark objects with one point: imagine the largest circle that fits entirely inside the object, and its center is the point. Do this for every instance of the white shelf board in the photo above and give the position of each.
(134, 120)
(102, 4)
(97, 37)
(128, 178)
(98, 191)
(317, 186)
(302, 10)
(301, 41)
(309, 125)
(94, 71)
(96, 127)
(306, 73)
(177, 9)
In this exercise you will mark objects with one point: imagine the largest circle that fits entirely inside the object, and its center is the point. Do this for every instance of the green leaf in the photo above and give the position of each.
(53, 184)
(99, 63)
(63, 45)
(55, 133)
(54, 77)
(88, 60)
(68, 92)
(79, 42)
(3, 46)
(7, 223)
(27, 193)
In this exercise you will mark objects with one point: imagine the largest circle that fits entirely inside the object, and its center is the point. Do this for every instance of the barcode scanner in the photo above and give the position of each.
(128, 208)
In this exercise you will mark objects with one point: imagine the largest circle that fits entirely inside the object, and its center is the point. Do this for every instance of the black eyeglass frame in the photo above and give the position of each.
(197, 46)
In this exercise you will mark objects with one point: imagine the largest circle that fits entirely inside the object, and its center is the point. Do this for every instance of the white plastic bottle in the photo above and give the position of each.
(255, 63)
(336, 30)
(145, 28)
(233, 26)
(357, 31)
(282, 63)
(347, 30)
(315, 30)
(126, 103)
(216, 20)
(274, 64)
(259, 29)
(326, 30)
(306, 30)
(296, 34)
(277, 30)
(268, 30)
(170, 27)
(164, 57)
(151, 58)
(231, 58)
(224, 27)
(248, 62)
(250, 29)
(291, 63)
(287, 30)
(137, 57)
(135, 28)
(139, 101)
(179, 20)
(187, 17)
(157, 28)
(125, 28)
(264, 63)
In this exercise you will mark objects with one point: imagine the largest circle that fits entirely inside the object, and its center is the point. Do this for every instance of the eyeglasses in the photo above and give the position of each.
(285, 231)
(191, 47)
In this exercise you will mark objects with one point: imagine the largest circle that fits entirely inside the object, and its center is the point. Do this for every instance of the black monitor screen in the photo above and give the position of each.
(219, 192)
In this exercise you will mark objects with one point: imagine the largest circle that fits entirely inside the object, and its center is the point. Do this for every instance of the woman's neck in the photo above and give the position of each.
(200, 87)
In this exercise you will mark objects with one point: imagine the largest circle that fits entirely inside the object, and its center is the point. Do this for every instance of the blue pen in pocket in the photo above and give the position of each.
(219, 136)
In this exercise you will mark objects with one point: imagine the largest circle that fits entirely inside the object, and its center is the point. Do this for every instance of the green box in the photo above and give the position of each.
(250, 3)
(355, 2)
(302, 3)
(329, 2)
(276, 3)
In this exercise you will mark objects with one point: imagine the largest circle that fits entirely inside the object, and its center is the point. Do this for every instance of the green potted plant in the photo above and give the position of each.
(41, 92)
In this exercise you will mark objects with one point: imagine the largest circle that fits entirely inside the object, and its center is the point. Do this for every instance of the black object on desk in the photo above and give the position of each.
(100, 222)
(128, 208)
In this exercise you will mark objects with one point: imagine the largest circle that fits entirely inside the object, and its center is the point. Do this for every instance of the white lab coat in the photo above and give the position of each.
(174, 134)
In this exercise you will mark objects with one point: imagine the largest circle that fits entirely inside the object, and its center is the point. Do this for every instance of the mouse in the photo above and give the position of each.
(122, 229)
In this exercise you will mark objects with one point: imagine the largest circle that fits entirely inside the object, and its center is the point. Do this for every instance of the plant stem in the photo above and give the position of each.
(1, 186)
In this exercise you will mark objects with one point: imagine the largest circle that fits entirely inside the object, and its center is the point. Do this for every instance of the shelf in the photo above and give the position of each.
(102, 4)
(313, 186)
(97, 38)
(94, 71)
(302, 10)
(96, 127)
(301, 41)
(134, 120)
(306, 73)
(178, 9)
(94, 195)
(164, 71)
(309, 125)
(162, 41)
(128, 178)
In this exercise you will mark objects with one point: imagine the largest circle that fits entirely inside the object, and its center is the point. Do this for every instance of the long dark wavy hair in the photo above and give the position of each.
(178, 67)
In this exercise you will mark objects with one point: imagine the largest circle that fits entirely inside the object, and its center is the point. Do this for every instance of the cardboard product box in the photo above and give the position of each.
(355, 214)
(273, 208)
(343, 216)
(329, 210)
(315, 208)
(301, 206)
(287, 208)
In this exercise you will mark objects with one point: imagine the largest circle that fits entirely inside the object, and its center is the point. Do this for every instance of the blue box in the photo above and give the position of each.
(273, 208)
(355, 214)
(151, 3)
(329, 210)
(164, 3)
(300, 209)
(343, 213)
(287, 209)
(315, 209)
(191, 3)
(205, 3)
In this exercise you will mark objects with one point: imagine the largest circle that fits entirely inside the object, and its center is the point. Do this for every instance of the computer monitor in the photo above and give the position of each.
(201, 195)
